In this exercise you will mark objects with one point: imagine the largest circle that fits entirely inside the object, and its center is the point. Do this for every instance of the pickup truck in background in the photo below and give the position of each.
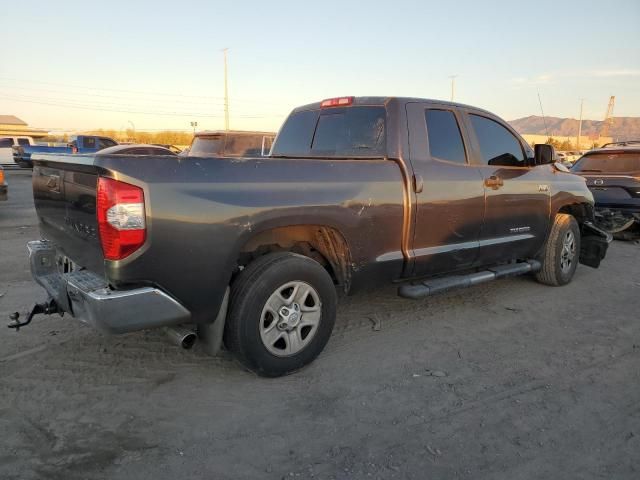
(6, 148)
(77, 144)
(357, 193)
(231, 143)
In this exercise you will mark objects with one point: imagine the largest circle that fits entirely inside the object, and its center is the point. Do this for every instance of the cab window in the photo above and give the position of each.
(445, 139)
(499, 147)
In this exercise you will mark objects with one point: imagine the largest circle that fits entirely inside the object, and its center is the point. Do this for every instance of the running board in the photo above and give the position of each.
(437, 285)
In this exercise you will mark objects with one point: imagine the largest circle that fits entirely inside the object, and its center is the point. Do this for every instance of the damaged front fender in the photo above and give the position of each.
(593, 245)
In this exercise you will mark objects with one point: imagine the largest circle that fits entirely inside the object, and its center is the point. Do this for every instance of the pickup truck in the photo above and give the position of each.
(77, 144)
(6, 148)
(252, 252)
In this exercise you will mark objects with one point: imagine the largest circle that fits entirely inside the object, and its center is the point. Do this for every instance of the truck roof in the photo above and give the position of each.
(384, 101)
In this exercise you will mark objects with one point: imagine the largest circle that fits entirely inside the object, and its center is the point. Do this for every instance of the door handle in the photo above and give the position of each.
(418, 183)
(494, 182)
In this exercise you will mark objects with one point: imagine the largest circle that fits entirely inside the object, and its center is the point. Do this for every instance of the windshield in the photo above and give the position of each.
(614, 162)
(207, 146)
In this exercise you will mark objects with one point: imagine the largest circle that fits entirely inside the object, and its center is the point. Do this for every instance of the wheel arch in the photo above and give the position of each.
(322, 243)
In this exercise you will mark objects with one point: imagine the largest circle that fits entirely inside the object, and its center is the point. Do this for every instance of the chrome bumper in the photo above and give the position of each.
(88, 297)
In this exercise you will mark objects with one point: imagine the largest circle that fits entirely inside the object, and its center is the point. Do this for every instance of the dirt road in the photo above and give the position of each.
(510, 380)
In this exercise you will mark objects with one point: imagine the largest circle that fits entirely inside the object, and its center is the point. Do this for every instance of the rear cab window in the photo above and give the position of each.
(207, 146)
(89, 142)
(23, 142)
(355, 131)
(243, 145)
(608, 162)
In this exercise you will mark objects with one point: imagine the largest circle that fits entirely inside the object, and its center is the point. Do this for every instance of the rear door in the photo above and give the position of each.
(517, 194)
(449, 191)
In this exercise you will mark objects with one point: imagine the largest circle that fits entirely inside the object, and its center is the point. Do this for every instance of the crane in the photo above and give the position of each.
(608, 118)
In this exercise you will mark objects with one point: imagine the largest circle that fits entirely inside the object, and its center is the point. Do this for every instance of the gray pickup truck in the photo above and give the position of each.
(357, 193)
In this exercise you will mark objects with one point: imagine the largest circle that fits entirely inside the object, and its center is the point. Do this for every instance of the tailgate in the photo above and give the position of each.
(64, 192)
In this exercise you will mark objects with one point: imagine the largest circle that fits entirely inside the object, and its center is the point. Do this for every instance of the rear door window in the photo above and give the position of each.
(499, 147)
(445, 139)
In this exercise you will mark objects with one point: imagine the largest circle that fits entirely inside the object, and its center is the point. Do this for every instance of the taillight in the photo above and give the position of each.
(121, 218)
(336, 102)
(1, 176)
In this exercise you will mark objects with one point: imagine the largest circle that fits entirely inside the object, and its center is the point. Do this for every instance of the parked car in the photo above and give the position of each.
(4, 188)
(77, 144)
(136, 149)
(6, 148)
(173, 148)
(231, 143)
(613, 176)
(357, 193)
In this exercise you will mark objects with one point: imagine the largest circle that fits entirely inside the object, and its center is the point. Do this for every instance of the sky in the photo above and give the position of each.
(157, 65)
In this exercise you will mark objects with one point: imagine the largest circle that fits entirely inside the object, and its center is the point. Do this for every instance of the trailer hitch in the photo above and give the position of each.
(49, 307)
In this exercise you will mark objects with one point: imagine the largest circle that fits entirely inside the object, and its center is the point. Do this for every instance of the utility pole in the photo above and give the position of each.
(453, 86)
(134, 129)
(579, 125)
(226, 92)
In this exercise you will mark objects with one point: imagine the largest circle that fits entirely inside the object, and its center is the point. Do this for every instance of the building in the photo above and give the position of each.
(11, 126)
(586, 142)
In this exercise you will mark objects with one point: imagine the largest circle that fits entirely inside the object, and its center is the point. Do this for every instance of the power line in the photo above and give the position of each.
(99, 108)
(102, 104)
(137, 92)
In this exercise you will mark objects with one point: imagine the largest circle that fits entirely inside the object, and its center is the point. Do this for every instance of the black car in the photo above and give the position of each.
(136, 149)
(613, 176)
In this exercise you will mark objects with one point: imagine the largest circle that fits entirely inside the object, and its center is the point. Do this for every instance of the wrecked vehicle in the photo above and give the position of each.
(613, 176)
(357, 193)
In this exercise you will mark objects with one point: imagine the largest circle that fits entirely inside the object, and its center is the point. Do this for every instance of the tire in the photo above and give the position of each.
(257, 332)
(561, 252)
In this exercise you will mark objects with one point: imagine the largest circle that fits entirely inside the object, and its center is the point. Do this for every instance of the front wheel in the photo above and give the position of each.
(282, 311)
(561, 252)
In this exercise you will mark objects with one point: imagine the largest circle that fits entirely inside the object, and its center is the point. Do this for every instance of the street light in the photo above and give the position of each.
(194, 125)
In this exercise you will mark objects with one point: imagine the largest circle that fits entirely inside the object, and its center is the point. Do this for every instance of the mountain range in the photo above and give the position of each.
(623, 128)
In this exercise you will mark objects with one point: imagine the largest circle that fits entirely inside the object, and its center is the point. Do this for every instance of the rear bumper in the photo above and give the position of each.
(87, 297)
(4, 191)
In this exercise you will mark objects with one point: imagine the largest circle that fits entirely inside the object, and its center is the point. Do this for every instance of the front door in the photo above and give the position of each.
(517, 192)
(449, 191)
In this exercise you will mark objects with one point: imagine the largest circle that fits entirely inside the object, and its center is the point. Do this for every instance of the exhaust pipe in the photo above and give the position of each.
(182, 337)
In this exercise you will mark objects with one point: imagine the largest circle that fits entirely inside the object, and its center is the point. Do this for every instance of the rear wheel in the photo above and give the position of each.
(561, 252)
(282, 312)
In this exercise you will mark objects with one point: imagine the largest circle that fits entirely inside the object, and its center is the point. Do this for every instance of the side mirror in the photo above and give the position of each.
(544, 154)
